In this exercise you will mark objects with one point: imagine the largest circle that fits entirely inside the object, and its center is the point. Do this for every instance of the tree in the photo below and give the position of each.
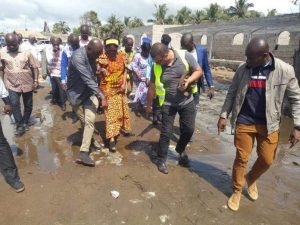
(184, 15)
(60, 27)
(127, 21)
(160, 14)
(76, 30)
(114, 27)
(215, 12)
(254, 14)
(240, 9)
(199, 16)
(136, 22)
(91, 19)
(170, 19)
(272, 12)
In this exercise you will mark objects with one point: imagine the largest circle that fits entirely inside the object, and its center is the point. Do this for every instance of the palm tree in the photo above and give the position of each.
(160, 14)
(184, 15)
(214, 12)
(240, 9)
(272, 12)
(170, 19)
(61, 27)
(135, 22)
(91, 19)
(114, 27)
(199, 16)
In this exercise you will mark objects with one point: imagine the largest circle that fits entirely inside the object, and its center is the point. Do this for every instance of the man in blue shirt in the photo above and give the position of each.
(73, 44)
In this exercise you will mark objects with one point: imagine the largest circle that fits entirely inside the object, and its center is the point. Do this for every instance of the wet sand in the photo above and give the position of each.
(59, 191)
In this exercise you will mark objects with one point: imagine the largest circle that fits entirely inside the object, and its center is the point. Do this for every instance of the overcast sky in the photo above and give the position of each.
(18, 14)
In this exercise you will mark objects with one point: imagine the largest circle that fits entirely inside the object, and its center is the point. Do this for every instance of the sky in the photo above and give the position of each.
(31, 14)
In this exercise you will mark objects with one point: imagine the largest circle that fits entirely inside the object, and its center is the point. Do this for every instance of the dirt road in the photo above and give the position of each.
(60, 192)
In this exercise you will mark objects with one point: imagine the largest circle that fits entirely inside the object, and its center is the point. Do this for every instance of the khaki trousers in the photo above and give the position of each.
(266, 150)
(87, 116)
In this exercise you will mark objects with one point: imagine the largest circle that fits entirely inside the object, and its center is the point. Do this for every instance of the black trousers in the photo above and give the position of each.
(14, 98)
(186, 123)
(8, 167)
(58, 93)
(156, 109)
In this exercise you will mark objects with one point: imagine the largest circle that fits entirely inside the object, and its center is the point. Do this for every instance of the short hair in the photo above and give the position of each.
(166, 39)
(158, 49)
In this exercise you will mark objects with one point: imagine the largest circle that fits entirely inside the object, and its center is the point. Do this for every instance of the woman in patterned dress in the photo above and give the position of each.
(113, 86)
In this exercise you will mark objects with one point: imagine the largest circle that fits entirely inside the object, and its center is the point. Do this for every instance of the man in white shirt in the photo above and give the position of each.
(84, 35)
(53, 60)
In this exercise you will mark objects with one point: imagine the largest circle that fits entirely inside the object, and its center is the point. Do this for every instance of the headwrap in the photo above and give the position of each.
(147, 40)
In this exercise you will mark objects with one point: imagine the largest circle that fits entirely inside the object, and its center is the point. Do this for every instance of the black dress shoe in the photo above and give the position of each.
(183, 160)
(85, 159)
(162, 167)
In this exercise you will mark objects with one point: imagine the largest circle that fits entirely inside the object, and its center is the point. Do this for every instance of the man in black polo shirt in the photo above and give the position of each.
(167, 71)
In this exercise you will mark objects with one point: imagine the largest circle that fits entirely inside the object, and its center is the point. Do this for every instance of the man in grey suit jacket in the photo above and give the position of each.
(83, 90)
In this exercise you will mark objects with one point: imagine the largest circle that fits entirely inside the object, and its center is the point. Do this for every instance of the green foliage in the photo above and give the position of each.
(113, 28)
(240, 8)
(272, 12)
(184, 16)
(215, 13)
(161, 14)
(60, 27)
(91, 19)
(199, 16)
(132, 23)
(76, 30)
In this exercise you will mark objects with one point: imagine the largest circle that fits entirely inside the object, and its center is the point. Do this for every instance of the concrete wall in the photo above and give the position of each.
(220, 35)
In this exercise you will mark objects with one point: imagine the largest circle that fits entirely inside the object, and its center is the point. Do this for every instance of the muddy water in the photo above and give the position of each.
(73, 194)
(52, 142)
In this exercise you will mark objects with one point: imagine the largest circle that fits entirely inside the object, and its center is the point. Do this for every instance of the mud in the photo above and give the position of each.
(60, 192)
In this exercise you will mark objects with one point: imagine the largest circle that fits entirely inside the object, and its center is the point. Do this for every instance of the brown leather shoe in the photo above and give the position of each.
(252, 189)
(234, 201)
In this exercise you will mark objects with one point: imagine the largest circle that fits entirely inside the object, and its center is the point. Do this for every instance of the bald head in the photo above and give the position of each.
(187, 42)
(257, 52)
(12, 42)
(84, 32)
(73, 41)
(94, 48)
(31, 39)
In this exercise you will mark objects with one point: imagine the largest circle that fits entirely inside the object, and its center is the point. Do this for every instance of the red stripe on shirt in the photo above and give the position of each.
(257, 83)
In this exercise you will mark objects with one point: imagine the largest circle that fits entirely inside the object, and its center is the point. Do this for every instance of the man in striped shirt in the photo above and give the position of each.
(20, 73)
(53, 56)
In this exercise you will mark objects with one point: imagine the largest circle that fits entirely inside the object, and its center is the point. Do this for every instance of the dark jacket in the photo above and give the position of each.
(82, 82)
(203, 62)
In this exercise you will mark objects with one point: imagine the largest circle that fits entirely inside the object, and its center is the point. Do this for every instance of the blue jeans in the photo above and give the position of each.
(186, 125)
(8, 167)
(14, 98)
